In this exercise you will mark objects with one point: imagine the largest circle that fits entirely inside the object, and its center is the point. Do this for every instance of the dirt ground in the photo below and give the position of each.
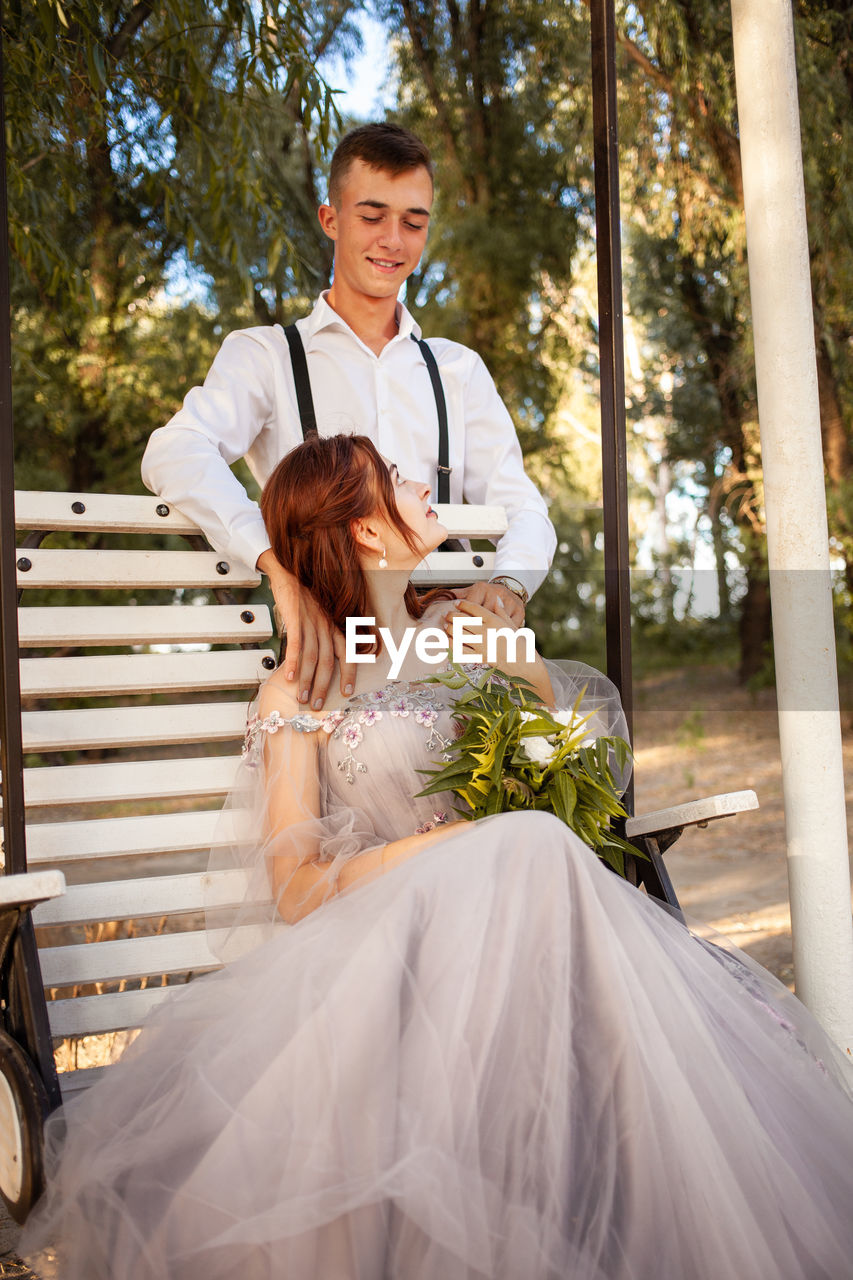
(698, 733)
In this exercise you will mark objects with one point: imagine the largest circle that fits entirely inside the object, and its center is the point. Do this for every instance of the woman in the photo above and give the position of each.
(451, 1050)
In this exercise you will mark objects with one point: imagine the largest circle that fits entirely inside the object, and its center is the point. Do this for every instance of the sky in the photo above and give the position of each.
(365, 78)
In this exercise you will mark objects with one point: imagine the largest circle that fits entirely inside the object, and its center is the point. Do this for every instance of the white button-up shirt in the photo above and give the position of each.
(247, 408)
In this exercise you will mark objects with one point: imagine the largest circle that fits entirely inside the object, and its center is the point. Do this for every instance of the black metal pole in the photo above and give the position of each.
(617, 580)
(11, 746)
(25, 1012)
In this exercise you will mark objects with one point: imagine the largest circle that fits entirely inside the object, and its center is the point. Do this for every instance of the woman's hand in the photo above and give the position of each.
(498, 600)
(313, 642)
(510, 649)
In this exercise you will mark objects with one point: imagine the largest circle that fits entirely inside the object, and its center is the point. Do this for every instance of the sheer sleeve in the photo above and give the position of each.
(600, 697)
(283, 839)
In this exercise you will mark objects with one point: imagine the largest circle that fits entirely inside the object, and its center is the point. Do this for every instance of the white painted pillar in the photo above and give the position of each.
(797, 539)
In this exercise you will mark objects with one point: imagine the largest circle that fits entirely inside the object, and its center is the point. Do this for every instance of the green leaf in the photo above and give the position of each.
(563, 796)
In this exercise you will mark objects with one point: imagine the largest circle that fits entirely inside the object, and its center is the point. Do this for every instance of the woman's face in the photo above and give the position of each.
(413, 504)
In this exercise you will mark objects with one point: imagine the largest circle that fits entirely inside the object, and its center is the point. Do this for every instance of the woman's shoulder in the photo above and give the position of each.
(276, 705)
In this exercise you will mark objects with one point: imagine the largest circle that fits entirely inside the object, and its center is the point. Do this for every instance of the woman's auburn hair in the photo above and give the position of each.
(309, 504)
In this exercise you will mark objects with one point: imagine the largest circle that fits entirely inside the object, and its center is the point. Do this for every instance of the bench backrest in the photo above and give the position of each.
(134, 712)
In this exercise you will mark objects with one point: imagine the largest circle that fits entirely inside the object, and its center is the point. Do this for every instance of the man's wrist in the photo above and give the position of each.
(513, 585)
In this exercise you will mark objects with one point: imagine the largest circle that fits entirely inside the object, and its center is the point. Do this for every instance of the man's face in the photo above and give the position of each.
(380, 228)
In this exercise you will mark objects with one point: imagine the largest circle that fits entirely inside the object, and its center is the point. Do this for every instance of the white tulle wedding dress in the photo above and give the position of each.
(497, 1060)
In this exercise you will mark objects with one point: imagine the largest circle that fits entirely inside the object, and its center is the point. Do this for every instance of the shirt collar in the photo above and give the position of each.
(325, 317)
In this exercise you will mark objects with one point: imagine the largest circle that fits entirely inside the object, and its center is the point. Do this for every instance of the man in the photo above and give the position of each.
(367, 376)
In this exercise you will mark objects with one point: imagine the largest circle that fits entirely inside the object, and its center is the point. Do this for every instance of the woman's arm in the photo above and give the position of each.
(293, 820)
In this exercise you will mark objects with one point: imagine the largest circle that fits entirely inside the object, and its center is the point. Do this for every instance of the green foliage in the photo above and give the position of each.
(146, 141)
(134, 130)
(512, 754)
(500, 92)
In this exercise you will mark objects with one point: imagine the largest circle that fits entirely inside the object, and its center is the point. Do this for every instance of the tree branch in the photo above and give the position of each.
(139, 14)
(426, 62)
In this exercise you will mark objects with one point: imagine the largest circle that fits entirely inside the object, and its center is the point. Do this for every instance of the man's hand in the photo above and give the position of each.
(313, 642)
(497, 599)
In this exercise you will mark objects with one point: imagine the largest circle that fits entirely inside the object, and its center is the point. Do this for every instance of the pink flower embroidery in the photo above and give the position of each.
(400, 707)
(426, 716)
(370, 715)
(352, 735)
(438, 819)
(333, 719)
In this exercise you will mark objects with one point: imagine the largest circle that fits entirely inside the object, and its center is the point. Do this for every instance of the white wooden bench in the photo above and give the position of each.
(120, 895)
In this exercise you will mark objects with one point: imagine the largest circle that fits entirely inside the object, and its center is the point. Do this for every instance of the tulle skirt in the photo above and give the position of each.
(498, 1061)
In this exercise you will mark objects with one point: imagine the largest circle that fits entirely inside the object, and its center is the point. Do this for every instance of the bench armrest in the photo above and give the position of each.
(694, 813)
(28, 889)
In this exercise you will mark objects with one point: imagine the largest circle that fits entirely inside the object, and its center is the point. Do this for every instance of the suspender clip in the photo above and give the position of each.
(446, 470)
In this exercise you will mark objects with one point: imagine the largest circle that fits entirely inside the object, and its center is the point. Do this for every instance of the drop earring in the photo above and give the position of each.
(383, 563)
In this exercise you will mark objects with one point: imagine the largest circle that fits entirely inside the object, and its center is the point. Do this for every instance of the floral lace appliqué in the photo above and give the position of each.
(438, 820)
(256, 728)
(399, 700)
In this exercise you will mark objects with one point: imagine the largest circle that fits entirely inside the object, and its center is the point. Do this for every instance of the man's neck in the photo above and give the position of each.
(373, 320)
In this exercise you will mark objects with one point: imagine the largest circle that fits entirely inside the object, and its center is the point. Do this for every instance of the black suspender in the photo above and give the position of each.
(304, 398)
(308, 418)
(441, 407)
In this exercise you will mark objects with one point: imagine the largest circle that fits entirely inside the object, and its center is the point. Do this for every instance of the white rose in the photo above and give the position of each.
(540, 750)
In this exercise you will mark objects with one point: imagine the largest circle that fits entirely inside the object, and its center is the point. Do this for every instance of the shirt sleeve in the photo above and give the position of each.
(495, 476)
(188, 461)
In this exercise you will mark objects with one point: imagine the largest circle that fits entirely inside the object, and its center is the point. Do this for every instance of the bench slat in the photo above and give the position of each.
(97, 569)
(202, 777)
(454, 567)
(90, 728)
(126, 958)
(30, 887)
(133, 957)
(95, 1015)
(104, 512)
(119, 1011)
(153, 833)
(42, 627)
(694, 811)
(71, 1082)
(102, 676)
(150, 896)
(132, 513)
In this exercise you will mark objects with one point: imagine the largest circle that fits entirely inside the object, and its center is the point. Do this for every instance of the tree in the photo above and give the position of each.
(498, 91)
(136, 133)
(686, 202)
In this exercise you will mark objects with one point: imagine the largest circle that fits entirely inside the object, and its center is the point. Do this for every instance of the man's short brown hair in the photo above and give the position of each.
(384, 146)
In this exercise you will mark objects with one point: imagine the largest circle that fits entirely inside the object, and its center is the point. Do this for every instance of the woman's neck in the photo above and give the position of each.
(386, 593)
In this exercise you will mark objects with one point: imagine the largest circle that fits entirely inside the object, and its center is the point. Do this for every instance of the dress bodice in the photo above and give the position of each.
(376, 752)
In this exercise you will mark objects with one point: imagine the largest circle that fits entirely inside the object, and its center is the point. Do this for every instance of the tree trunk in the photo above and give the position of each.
(756, 631)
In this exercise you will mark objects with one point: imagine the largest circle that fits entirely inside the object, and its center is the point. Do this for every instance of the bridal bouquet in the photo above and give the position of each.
(510, 753)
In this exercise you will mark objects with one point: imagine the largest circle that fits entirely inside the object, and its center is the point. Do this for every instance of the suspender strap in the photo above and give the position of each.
(308, 418)
(304, 398)
(443, 468)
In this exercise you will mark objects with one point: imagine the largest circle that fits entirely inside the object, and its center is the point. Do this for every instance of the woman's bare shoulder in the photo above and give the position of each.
(278, 694)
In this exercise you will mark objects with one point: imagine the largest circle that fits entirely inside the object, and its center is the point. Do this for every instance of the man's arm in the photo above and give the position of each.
(495, 476)
(188, 462)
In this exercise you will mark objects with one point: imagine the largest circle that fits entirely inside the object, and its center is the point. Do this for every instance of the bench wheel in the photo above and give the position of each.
(23, 1106)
